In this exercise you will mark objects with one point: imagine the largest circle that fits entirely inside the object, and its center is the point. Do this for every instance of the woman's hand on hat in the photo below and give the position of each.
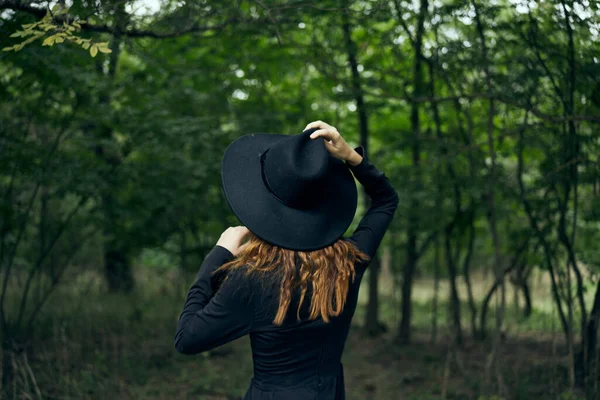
(334, 142)
(232, 239)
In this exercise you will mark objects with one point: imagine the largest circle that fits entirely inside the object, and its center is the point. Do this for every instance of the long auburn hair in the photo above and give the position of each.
(329, 270)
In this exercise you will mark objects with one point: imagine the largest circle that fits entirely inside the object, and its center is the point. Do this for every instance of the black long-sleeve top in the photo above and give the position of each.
(300, 359)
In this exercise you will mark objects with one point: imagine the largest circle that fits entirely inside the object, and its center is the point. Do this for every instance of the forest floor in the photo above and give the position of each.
(94, 345)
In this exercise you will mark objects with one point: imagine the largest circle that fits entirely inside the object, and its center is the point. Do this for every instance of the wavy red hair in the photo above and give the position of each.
(329, 270)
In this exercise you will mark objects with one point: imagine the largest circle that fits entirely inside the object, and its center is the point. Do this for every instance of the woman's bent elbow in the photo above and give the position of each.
(184, 344)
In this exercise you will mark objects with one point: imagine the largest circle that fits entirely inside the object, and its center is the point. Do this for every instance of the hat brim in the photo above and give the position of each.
(269, 219)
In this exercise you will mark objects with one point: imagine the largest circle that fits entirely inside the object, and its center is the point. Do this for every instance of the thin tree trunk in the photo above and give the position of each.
(492, 173)
(467, 271)
(498, 274)
(538, 232)
(436, 289)
(485, 306)
(454, 299)
(527, 296)
(466, 267)
(570, 335)
(522, 285)
(116, 258)
(7, 367)
(451, 259)
(372, 324)
(593, 323)
(404, 330)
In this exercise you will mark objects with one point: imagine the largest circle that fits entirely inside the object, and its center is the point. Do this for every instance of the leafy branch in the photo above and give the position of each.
(56, 32)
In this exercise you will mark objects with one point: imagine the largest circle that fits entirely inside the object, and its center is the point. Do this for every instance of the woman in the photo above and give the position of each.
(288, 277)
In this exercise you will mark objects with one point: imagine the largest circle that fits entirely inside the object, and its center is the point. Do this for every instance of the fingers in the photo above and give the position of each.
(328, 134)
(325, 133)
(320, 124)
(315, 124)
(242, 230)
(238, 230)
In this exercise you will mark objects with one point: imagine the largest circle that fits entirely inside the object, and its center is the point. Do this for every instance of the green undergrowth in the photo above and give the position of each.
(98, 345)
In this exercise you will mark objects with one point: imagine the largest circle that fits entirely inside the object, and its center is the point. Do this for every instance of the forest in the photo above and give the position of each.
(484, 115)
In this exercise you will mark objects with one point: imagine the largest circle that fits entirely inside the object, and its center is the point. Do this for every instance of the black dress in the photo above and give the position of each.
(300, 359)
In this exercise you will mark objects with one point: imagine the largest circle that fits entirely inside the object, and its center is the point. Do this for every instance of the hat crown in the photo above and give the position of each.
(294, 169)
(260, 172)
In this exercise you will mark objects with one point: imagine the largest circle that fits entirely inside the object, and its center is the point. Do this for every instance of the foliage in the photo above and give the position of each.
(54, 32)
(112, 161)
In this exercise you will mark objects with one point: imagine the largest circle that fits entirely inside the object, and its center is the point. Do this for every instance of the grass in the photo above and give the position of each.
(92, 345)
(544, 317)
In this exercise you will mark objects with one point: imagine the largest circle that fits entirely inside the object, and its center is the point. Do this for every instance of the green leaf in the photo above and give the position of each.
(86, 45)
(105, 49)
(31, 39)
(8, 48)
(49, 41)
(16, 34)
(93, 50)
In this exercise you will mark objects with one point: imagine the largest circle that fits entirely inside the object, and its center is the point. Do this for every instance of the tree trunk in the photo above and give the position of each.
(497, 282)
(116, 259)
(454, 299)
(591, 349)
(9, 374)
(467, 270)
(118, 270)
(499, 275)
(7, 370)
(527, 297)
(372, 323)
(413, 222)
(407, 275)
(587, 364)
(535, 226)
(436, 288)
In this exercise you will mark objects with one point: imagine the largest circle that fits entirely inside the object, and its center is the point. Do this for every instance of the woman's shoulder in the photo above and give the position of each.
(244, 280)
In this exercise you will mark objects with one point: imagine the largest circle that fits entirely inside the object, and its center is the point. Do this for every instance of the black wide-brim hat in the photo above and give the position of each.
(288, 189)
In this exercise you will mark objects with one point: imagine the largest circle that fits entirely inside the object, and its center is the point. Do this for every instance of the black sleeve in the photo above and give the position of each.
(384, 200)
(209, 321)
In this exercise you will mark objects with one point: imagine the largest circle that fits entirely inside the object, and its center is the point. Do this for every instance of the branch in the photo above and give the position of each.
(475, 96)
(403, 23)
(18, 5)
(268, 12)
(157, 35)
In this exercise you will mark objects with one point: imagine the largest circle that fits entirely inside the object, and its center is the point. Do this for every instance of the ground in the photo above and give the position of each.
(109, 346)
